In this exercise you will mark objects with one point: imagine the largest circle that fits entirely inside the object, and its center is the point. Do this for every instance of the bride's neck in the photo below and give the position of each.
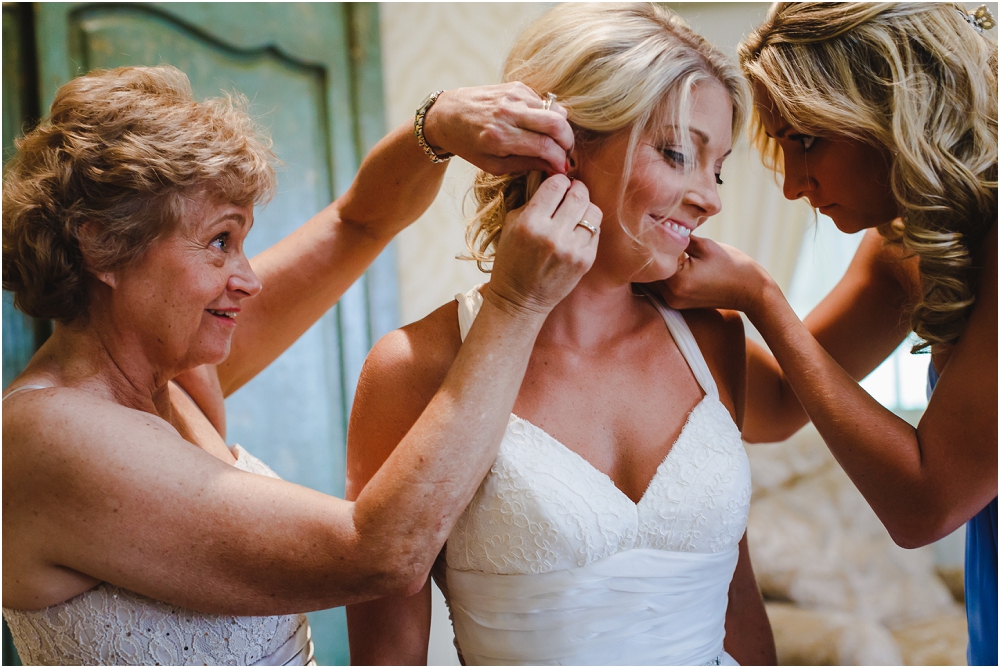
(597, 311)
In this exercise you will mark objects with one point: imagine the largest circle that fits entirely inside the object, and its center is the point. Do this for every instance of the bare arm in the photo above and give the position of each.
(496, 127)
(138, 516)
(117, 495)
(922, 482)
(391, 631)
(306, 273)
(859, 324)
(749, 639)
(401, 374)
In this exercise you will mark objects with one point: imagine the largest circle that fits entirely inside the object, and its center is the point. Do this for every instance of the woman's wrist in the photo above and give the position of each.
(431, 127)
(764, 297)
(524, 312)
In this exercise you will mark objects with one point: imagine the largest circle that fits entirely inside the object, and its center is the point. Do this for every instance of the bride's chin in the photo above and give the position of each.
(660, 269)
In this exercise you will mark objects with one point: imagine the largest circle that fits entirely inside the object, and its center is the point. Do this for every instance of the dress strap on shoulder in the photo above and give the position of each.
(685, 341)
(469, 304)
(24, 388)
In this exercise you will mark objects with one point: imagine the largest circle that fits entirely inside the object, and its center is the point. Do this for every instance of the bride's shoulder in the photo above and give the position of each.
(400, 376)
(420, 352)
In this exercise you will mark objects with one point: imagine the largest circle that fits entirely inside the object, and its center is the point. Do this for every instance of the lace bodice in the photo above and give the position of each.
(549, 526)
(108, 625)
(543, 507)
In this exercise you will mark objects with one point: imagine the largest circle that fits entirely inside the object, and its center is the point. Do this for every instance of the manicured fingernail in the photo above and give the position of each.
(566, 168)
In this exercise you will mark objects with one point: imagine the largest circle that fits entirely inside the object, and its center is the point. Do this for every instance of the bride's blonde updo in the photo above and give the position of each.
(920, 81)
(612, 67)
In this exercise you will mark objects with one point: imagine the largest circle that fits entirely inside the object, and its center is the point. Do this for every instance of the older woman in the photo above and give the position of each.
(135, 534)
(884, 116)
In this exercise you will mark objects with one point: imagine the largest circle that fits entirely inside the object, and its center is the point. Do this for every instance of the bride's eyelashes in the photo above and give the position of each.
(673, 156)
(679, 160)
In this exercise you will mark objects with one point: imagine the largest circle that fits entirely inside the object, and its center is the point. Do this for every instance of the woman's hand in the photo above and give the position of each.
(542, 252)
(500, 129)
(714, 275)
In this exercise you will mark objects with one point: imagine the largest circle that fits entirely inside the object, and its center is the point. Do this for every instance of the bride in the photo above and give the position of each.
(611, 527)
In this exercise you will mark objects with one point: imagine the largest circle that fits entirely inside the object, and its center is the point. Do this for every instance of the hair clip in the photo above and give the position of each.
(980, 19)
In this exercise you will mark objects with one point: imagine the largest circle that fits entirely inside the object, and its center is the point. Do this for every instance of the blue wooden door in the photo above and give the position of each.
(312, 74)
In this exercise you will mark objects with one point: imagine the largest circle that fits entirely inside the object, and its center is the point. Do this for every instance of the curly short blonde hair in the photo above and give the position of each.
(121, 149)
(919, 81)
(613, 67)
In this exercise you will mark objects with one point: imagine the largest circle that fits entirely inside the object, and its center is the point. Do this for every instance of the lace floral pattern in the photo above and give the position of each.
(699, 499)
(112, 626)
(108, 625)
(541, 508)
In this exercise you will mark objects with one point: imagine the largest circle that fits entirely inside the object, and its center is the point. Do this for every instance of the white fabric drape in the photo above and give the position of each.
(637, 607)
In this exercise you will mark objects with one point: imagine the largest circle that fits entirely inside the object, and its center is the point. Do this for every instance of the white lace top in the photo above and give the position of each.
(108, 625)
(537, 566)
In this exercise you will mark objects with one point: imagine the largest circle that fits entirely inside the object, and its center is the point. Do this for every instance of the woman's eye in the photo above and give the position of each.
(718, 179)
(221, 242)
(676, 158)
(806, 141)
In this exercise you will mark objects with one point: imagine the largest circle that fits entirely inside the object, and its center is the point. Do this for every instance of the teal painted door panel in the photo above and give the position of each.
(311, 73)
(18, 329)
(18, 336)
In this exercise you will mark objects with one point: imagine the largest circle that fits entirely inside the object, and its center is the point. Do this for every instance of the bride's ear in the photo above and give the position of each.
(573, 161)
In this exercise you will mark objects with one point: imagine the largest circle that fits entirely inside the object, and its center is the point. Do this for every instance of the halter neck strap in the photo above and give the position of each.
(24, 388)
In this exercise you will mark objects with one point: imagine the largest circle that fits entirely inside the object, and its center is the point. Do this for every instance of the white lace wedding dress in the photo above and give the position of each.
(552, 564)
(108, 625)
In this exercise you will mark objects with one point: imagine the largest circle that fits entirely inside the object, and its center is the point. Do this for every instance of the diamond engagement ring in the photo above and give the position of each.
(547, 102)
(587, 226)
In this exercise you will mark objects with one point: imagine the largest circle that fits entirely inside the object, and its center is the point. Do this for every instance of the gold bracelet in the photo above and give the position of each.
(418, 129)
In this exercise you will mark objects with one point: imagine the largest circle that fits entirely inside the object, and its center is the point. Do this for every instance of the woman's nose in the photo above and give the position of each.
(797, 182)
(244, 279)
(705, 194)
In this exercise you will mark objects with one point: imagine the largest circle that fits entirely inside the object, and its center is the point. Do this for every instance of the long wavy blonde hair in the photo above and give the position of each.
(918, 80)
(613, 67)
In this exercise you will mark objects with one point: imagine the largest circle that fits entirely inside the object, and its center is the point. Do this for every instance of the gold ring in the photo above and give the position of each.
(547, 102)
(587, 226)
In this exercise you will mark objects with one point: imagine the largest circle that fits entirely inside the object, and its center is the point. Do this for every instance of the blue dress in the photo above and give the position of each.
(980, 575)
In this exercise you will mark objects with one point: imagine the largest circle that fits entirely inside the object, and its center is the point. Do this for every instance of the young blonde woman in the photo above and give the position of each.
(611, 527)
(884, 116)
